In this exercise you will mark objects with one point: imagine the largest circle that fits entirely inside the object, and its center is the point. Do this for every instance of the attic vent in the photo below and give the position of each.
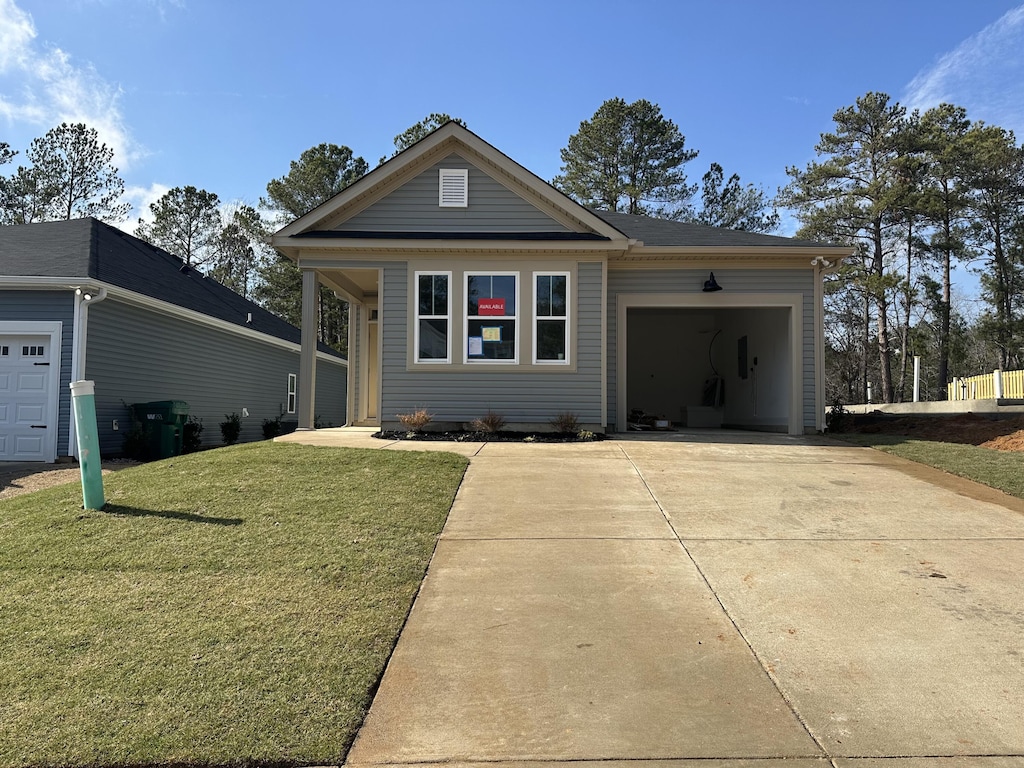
(454, 188)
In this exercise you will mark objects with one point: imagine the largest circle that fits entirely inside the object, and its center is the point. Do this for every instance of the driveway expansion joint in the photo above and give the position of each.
(732, 620)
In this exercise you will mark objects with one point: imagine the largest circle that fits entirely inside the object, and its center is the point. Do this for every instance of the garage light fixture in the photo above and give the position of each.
(85, 295)
(711, 285)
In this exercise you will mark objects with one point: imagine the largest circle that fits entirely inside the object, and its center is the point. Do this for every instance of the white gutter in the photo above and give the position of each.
(85, 296)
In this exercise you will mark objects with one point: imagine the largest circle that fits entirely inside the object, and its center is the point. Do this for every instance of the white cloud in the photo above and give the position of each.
(141, 198)
(52, 88)
(984, 74)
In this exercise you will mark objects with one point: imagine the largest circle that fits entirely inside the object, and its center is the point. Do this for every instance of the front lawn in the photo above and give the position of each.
(1002, 470)
(232, 606)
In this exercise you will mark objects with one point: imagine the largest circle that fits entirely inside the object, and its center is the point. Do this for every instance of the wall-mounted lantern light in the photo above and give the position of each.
(711, 285)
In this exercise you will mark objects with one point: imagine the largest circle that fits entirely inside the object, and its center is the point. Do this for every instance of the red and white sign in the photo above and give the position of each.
(490, 307)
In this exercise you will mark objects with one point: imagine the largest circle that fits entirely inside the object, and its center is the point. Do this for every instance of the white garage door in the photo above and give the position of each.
(28, 396)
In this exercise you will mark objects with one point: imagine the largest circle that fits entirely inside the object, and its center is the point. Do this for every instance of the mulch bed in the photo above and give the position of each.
(502, 436)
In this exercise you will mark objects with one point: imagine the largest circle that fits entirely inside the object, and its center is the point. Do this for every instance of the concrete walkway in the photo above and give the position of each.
(712, 599)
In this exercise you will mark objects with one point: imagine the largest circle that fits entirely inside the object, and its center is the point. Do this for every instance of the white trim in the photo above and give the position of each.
(604, 344)
(721, 300)
(819, 350)
(536, 319)
(292, 394)
(55, 330)
(464, 309)
(158, 305)
(417, 317)
(453, 187)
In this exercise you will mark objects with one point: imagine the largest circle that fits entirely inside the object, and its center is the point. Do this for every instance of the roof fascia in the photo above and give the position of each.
(829, 252)
(148, 302)
(310, 247)
(40, 283)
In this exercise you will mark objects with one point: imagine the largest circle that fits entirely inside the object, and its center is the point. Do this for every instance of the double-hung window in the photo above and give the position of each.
(433, 317)
(551, 318)
(492, 301)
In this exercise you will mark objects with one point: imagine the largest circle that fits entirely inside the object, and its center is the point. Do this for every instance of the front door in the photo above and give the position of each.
(28, 397)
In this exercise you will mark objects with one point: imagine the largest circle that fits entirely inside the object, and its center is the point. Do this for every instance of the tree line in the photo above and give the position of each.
(915, 194)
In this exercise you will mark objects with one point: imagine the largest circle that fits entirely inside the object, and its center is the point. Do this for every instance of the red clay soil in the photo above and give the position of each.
(1001, 434)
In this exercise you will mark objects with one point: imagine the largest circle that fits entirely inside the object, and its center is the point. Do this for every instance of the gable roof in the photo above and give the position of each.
(84, 249)
(450, 137)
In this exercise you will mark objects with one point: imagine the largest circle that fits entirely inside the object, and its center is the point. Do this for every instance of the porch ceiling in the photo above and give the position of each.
(359, 284)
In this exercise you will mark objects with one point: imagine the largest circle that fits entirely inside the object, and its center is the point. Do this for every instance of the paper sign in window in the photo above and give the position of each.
(491, 334)
(490, 308)
(476, 345)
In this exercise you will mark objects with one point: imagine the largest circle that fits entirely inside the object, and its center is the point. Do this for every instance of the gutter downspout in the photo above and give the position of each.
(81, 326)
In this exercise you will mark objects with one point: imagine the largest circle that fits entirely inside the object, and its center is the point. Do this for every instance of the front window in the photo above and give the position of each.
(433, 315)
(551, 315)
(492, 301)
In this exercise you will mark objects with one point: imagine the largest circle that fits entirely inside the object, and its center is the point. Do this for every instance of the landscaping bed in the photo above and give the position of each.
(502, 436)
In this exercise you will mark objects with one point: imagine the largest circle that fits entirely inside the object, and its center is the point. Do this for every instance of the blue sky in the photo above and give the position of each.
(223, 95)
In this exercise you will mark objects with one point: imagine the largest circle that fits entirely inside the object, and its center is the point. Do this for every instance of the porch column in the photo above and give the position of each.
(307, 357)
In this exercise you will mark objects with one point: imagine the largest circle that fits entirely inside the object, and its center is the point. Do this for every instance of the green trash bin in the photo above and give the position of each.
(163, 422)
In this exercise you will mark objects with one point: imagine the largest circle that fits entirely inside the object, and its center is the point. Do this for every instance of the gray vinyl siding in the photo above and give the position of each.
(137, 355)
(49, 306)
(523, 394)
(413, 207)
(733, 280)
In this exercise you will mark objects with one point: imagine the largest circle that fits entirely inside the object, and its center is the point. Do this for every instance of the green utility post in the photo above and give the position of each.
(83, 396)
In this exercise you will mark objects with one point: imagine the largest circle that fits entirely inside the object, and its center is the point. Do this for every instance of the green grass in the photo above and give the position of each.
(1002, 470)
(228, 607)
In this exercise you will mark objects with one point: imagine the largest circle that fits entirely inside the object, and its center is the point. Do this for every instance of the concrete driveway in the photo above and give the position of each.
(723, 598)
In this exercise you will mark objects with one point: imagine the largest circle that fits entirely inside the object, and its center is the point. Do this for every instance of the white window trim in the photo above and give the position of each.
(466, 317)
(416, 323)
(568, 317)
(290, 399)
(462, 200)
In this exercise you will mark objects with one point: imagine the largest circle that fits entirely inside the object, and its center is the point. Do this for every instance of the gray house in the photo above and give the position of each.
(83, 300)
(475, 286)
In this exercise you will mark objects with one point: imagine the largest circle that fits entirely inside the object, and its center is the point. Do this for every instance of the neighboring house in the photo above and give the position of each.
(475, 286)
(83, 300)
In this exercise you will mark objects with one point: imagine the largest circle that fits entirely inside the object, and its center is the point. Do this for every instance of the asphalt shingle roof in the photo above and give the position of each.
(662, 232)
(88, 248)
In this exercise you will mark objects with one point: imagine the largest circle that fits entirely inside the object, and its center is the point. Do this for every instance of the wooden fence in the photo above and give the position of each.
(989, 386)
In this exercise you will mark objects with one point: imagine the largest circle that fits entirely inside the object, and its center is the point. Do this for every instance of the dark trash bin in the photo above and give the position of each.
(163, 423)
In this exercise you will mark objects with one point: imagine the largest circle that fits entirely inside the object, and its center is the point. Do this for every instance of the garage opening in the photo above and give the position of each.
(710, 367)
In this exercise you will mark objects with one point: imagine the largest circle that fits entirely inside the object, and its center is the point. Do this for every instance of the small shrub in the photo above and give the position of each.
(191, 435)
(565, 422)
(271, 428)
(415, 421)
(136, 442)
(838, 419)
(489, 422)
(230, 428)
(585, 435)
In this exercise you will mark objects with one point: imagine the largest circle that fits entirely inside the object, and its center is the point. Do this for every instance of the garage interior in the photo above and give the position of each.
(709, 368)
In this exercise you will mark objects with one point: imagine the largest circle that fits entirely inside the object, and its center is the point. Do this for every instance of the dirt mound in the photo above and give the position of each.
(1001, 434)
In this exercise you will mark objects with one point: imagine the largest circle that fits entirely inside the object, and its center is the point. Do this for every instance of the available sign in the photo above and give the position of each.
(490, 307)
